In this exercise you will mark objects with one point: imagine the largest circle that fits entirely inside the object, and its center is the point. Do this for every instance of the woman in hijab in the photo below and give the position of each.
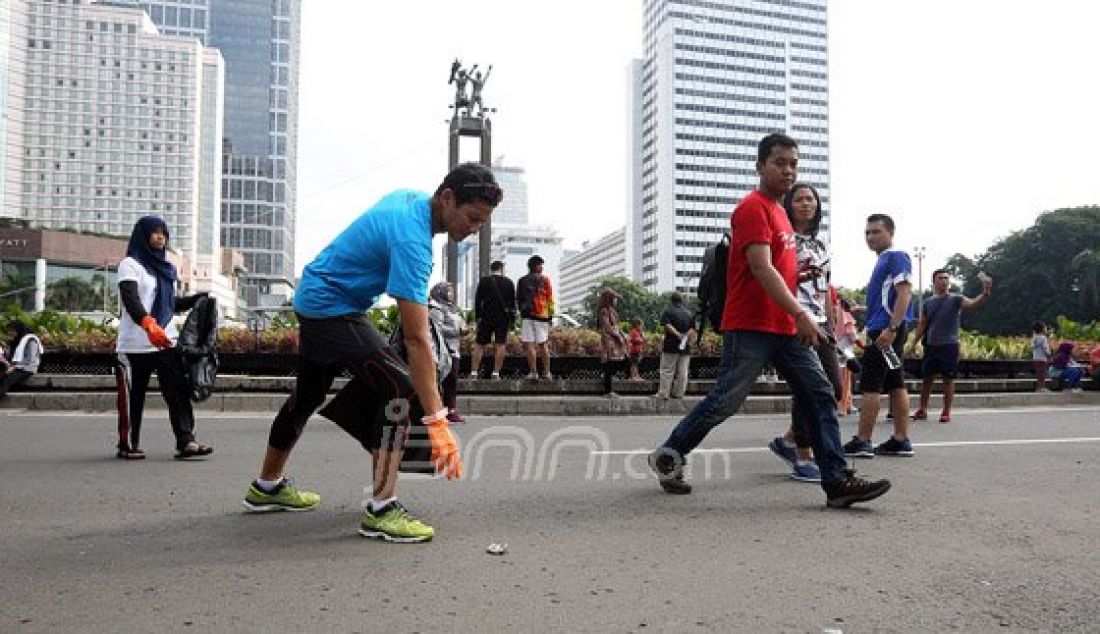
(441, 301)
(1063, 366)
(612, 339)
(26, 350)
(146, 337)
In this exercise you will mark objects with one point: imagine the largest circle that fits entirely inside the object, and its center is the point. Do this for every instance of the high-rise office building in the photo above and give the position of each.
(512, 180)
(583, 269)
(259, 40)
(13, 57)
(117, 121)
(716, 77)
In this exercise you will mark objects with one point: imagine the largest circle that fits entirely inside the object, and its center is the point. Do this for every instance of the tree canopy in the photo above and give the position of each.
(636, 302)
(1049, 269)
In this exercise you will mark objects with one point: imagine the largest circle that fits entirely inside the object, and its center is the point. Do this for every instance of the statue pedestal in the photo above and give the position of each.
(481, 128)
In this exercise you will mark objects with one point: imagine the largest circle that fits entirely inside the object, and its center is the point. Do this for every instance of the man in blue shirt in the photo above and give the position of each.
(888, 295)
(938, 332)
(388, 250)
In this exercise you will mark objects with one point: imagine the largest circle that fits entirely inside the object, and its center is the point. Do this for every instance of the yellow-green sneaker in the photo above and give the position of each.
(393, 523)
(285, 497)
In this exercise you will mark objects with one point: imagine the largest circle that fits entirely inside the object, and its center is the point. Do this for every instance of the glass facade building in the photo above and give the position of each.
(259, 41)
(716, 77)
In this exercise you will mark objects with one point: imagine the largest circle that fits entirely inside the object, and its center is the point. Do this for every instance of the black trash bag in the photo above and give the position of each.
(198, 345)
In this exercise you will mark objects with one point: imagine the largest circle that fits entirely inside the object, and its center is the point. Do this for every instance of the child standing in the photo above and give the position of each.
(636, 342)
(1040, 354)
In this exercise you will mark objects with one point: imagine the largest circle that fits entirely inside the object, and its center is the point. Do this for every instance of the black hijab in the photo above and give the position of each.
(20, 329)
(157, 264)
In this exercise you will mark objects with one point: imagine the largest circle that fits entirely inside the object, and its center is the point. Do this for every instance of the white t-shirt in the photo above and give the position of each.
(131, 338)
(1040, 348)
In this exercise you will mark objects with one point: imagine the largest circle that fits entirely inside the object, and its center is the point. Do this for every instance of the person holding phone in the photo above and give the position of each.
(938, 333)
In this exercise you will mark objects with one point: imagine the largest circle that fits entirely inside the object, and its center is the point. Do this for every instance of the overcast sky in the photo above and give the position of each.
(964, 119)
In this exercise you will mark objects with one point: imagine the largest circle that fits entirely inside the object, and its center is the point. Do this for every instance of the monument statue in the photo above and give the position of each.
(477, 82)
(460, 77)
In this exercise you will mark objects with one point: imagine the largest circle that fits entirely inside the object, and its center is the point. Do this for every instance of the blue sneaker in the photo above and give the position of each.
(806, 472)
(859, 448)
(895, 447)
(785, 452)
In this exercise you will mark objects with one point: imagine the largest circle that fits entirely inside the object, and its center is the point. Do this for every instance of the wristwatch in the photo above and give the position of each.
(894, 327)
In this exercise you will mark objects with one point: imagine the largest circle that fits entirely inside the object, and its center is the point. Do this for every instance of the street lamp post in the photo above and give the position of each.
(918, 252)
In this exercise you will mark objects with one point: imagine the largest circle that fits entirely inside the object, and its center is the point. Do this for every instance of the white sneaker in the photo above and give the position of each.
(531, 376)
(496, 376)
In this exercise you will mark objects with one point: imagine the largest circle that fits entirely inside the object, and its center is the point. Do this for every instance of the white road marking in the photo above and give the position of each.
(948, 443)
(268, 415)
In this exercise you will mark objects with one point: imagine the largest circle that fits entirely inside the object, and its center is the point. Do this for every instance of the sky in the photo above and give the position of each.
(964, 120)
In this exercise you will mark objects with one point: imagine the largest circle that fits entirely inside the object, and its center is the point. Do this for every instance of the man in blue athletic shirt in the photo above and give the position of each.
(388, 250)
(888, 295)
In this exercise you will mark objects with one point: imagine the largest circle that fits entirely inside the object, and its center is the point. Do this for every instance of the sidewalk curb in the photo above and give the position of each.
(530, 405)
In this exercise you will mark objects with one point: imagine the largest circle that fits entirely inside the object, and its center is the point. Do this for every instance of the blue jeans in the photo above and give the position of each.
(744, 355)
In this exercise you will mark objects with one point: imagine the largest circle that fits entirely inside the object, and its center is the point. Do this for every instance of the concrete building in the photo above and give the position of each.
(13, 58)
(582, 270)
(716, 77)
(513, 209)
(119, 122)
(75, 272)
(259, 40)
(514, 239)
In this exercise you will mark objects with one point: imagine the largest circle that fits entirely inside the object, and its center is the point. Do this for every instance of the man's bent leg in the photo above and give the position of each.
(744, 354)
(309, 392)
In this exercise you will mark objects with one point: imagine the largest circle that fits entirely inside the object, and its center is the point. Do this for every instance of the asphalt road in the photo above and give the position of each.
(993, 526)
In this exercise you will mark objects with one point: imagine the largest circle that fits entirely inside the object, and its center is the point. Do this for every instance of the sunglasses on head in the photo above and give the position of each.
(489, 192)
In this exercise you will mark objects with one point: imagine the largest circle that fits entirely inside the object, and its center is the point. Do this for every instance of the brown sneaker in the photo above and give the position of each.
(848, 491)
(669, 470)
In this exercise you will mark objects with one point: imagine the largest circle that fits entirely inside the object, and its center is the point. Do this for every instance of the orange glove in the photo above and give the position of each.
(157, 337)
(444, 451)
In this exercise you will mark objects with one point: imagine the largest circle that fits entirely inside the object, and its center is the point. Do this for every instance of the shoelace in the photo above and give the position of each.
(850, 479)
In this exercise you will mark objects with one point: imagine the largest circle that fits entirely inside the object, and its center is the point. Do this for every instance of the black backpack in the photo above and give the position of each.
(712, 284)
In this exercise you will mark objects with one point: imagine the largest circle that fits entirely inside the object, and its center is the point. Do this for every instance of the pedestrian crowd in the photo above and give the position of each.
(779, 311)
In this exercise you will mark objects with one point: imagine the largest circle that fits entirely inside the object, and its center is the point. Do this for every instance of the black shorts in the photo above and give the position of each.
(876, 377)
(337, 341)
(488, 331)
(941, 359)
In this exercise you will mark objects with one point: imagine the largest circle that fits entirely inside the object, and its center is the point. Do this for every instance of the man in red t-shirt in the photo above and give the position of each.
(764, 323)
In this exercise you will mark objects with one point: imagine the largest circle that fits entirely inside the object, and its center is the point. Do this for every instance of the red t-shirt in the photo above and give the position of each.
(759, 220)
